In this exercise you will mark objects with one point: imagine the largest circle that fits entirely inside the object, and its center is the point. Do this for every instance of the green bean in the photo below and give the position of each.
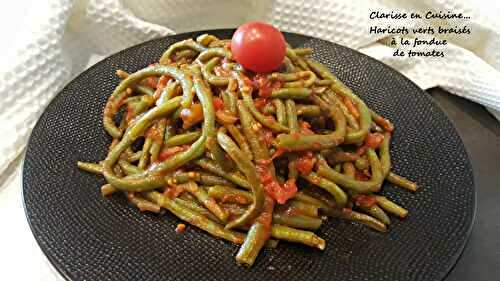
(340, 88)
(372, 185)
(137, 108)
(185, 44)
(248, 169)
(145, 90)
(218, 155)
(385, 156)
(233, 177)
(291, 116)
(230, 195)
(257, 236)
(335, 157)
(195, 218)
(349, 170)
(213, 52)
(376, 212)
(307, 110)
(90, 167)
(381, 121)
(293, 173)
(197, 149)
(362, 163)
(225, 100)
(211, 180)
(240, 140)
(297, 221)
(110, 109)
(156, 70)
(143, 204)
(186, 54)
(362, 218)
(351, 120)
(300, 142)
(268, 109)
(258, 150)
(108, 189)
(207, 69)
(128, 168)
(134, 157)
(158, 142)
(302, 197)
(391, 207)
(152, 177)
(206, 39)
(401, 181)
(251, 246)
(306, 209)
(232, 97)
(182, 139)
(267, 121)
(338, 167)
(291, 93)
(131, 100)
(294, 80)
(196, 207)
(280, 111)
(180, 177)
(330, 187)
(145, 153)
(168, 92)
(296, 59)
(303, 51)
(202, 196)
(298, 236)
(289, 67)
(325, 82)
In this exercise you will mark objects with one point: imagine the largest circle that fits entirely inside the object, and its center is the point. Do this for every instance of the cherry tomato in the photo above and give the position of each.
(258, 46)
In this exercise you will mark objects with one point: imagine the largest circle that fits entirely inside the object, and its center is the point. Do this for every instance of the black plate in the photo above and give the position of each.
(89, 237)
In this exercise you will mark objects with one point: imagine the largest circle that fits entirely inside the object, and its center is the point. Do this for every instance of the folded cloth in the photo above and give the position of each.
(63, 37)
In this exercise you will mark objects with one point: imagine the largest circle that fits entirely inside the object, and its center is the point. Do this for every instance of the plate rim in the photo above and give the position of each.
(59, 268)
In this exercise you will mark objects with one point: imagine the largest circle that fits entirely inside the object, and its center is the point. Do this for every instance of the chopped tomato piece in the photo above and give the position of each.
(372, 140)
(280, 193)
(218, 103)
(361, 176)
(150, 82)
(365, 201)
(221, 71)
(351, 107)
(225, 117)
(267, 136)
(162, 82)
(191, 116)
(173, 191)
(260, 103)
(180, 228)
(171, 151)
(305, 163)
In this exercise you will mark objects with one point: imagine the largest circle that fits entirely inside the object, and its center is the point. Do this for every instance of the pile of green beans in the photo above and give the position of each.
(200, 138)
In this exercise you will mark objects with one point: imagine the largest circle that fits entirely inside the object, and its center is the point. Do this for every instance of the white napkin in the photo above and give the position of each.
(46, 43)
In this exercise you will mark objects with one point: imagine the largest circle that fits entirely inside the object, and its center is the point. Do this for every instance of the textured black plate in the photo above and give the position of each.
(87, 237)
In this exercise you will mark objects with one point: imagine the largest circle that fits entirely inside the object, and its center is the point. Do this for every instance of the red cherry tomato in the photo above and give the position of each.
(258, 46)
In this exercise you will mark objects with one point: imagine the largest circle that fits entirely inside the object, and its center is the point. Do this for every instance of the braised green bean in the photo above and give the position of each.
(225, 148)
(401, 181)
(246, 166)
(90, 167)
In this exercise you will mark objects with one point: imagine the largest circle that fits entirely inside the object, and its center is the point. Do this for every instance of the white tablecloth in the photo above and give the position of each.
(46, 43)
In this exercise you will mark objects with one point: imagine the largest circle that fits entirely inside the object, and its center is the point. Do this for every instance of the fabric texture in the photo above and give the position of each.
(63, 37)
